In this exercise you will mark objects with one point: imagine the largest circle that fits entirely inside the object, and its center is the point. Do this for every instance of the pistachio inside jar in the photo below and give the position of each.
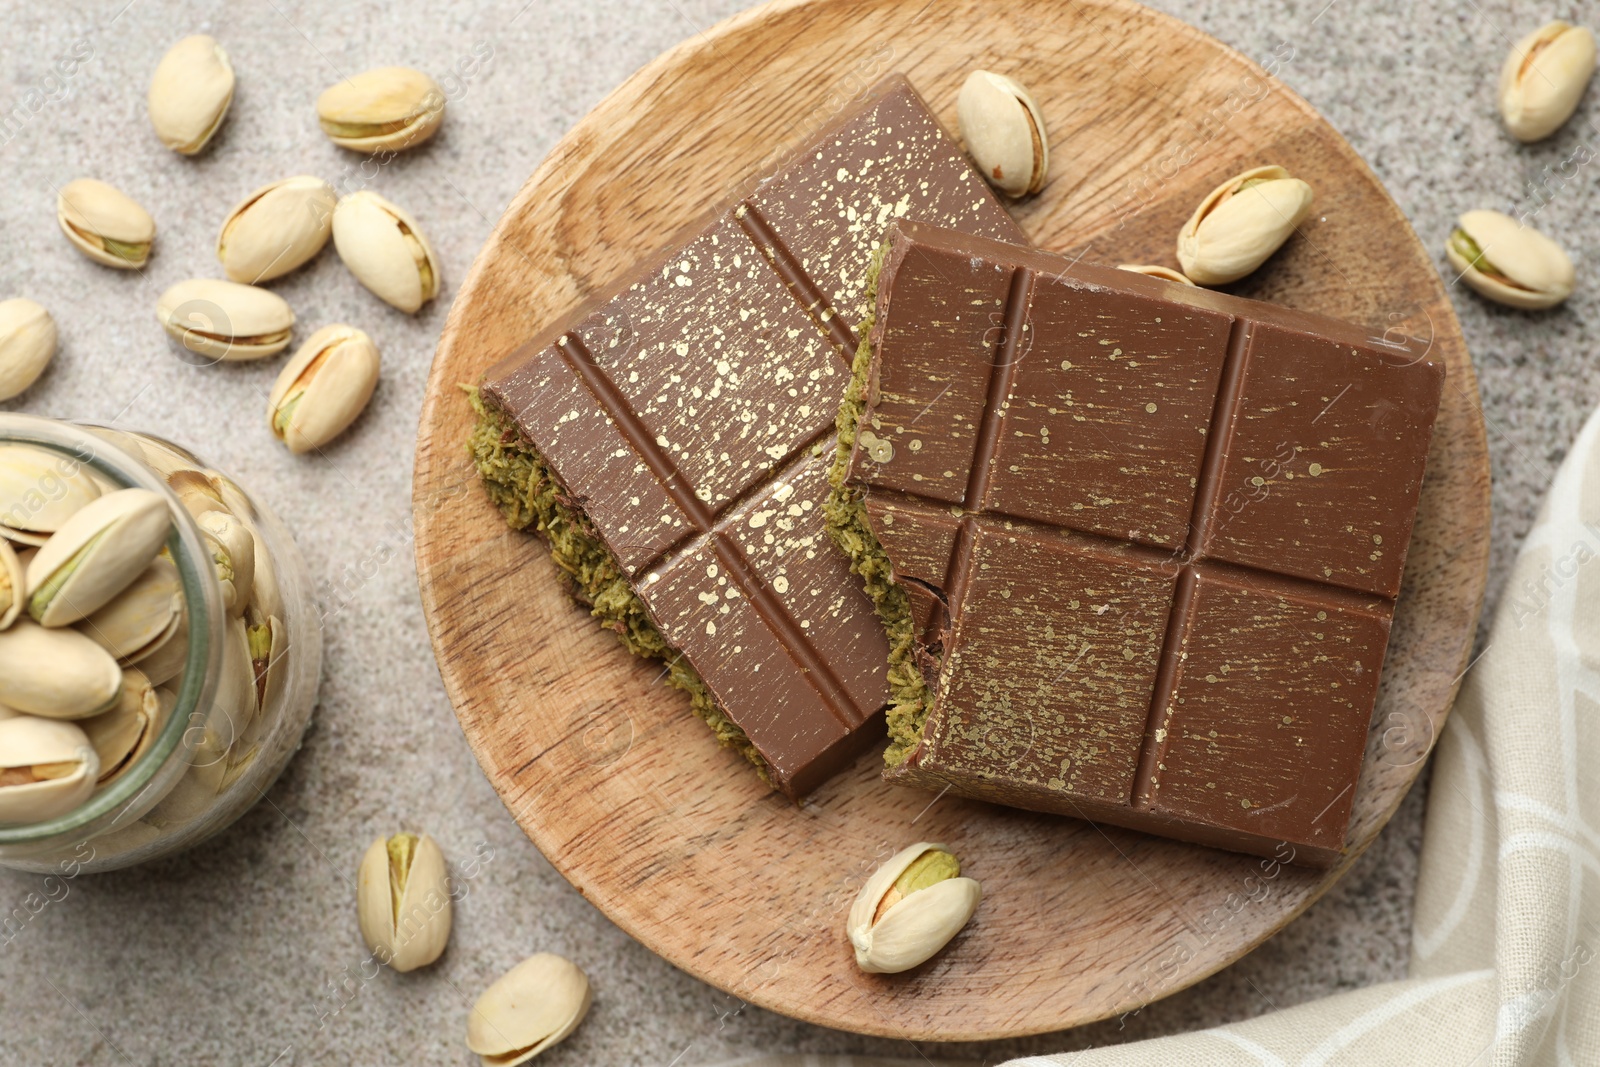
(186, 679)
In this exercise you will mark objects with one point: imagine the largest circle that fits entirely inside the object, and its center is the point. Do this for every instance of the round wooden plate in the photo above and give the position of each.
(624, 790)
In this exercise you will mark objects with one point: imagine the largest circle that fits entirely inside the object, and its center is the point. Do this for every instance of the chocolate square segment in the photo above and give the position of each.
(1267, 717)
(1122, 400)
(1323, 450)
(1170, 573)
(1051, 662)
(688, 412)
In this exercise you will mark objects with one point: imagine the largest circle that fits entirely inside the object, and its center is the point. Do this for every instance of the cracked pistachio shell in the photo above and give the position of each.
(165, 660)
(386, 251)
(190, 93)
(27, 344)
(1004, 132)
(105, 224)
(234, 705)
(268, 643)
(47, 768)
(59, 674)
(233, 498)
(165, 457)
(1242, 222)
(910, 909)
(266, 598)
(226, 320)
(13, 585)
(1508, 262)
(530, 1008)
(383, 110)
(1153, 271)
(126, 732)
(197, 491)
(276, 228)
(403, 900)
(39, 491)
(233, 555)
(96, 555)
(142, 617)
(1543, 79)
(323, 388)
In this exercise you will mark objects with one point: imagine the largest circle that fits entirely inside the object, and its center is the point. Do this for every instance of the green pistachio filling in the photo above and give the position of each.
(402, 849)
(846, 512)
(52, 585)
(1468, 250)
(523, 487)
(133, 253)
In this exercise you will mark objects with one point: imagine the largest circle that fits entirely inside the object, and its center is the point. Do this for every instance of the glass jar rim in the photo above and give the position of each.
(202, 600)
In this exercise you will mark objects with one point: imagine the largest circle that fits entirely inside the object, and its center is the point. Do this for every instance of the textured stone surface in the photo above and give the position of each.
(227, 955)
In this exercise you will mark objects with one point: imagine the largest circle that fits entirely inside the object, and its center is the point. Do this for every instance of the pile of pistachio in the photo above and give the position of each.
(276, 229)
(94, 629)
(1229, 235)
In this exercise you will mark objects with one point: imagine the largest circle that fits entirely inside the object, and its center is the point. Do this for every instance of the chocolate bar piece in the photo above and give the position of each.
(1138, 544)
(674, 437)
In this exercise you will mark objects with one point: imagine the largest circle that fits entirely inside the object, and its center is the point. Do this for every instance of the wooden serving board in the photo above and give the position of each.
(624, 790)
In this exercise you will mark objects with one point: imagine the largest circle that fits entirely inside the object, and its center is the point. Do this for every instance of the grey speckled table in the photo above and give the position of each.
(246, 951)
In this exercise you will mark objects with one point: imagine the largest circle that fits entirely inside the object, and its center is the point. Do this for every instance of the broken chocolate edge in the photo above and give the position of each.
(846, 513)
(528, 495)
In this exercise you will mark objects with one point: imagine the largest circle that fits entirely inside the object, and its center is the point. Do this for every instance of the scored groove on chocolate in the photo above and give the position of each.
(1205, 498)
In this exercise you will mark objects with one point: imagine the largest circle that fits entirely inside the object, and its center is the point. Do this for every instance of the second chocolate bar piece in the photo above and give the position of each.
(1138, 543)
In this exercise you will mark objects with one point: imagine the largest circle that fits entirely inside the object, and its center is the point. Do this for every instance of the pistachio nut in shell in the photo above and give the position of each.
(267, 597)
(142, 617)
(1242, 222)
(165, 457)
(1003, 130)
(1154, 271)
(59, 674)
(276, 228)
(233, 498)
(226, 321)
(39, 491)
(530, 1008)
(910, 909)
(1544, 77)
(126, 732)
(403, 900)
(166, 659)
(27, 344)
(105, 223)
(47, 768)
(234, 704)
(387, 109)
(233, 555)
(96, 555)
(269, 645)
(386, 251)
(190, 93)
(197, 492)
(323, 387)
(13, 585)
(1509, 263)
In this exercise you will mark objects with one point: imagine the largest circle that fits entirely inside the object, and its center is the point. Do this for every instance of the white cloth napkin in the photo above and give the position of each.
(1505, 952)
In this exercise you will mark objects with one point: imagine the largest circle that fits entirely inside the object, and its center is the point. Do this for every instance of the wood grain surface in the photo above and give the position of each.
(605, 768)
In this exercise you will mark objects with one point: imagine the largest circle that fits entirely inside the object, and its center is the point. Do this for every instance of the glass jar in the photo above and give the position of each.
(231, 682)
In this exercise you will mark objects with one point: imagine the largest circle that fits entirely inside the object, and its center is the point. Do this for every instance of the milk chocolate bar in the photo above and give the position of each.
(672, 438)
(1138, 544)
